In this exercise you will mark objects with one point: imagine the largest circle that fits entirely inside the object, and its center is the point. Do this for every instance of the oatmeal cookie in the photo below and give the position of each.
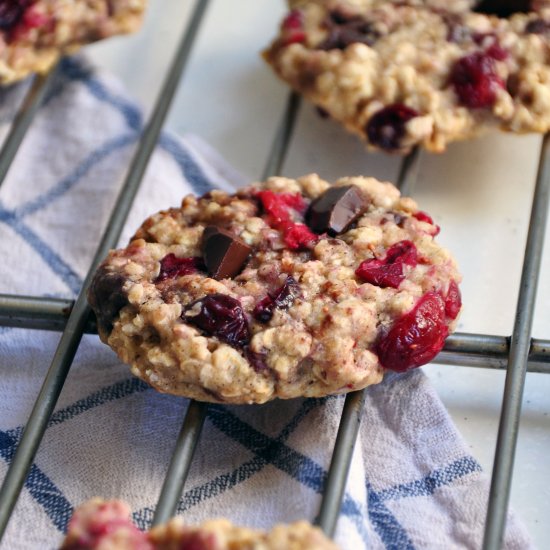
(420, 72)
(287, 288)
(34, 33)
(106, 525)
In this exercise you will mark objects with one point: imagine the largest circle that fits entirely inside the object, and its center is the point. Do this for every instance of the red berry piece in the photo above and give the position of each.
(222, 316)
(172, 267)
(281, 208)
(11, 12)
(277, 205)
(293, 28)
(496, 51)
(293, 21)
(453, 301)
(386, 128)
(298, 236)
(475, 80)
(282, 298)
(417, 337)
(198, 541)
(389, 271)
(423, 217)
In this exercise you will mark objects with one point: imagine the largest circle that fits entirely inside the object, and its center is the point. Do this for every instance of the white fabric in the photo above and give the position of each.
(413, 483)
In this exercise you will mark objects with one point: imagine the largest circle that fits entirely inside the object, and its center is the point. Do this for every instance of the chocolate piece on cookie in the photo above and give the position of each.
(336, 209)
(420, 72)
(223, 253)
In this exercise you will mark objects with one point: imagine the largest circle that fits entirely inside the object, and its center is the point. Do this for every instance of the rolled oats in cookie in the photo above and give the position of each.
(34, 33)
(420, 72)
(288, 288)
(102, 525)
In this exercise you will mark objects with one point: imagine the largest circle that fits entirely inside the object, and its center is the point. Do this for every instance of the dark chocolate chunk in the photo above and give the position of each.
(344, 30)
(107, 298)
(257, 360)
(336, 209)
(503, 8)
(11, 12)
(538, 26)
(224, 254)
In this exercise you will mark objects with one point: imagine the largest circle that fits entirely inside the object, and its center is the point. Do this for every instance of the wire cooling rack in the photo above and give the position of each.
(518, 354)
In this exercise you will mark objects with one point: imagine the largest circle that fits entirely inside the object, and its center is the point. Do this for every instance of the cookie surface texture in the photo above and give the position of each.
(304, 313)
(407, 73)
(106, 525)
(34, 33)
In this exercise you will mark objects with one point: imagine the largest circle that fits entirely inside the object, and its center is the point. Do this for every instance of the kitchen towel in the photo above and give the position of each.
(413, 483)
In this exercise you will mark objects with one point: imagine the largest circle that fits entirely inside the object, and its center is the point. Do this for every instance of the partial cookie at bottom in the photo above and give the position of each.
(106, 525)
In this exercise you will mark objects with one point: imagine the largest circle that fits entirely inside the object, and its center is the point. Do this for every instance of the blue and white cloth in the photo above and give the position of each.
(413, 483)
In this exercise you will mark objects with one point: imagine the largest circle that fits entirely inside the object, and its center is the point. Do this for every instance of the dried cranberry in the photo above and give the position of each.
(496, 51)
(298, 236)
(277, 205)
(222, 316)
(453, 301)
(198, 541)
(292, 28)
(172, 267)
(417, 337)
(294, 20)
(475, 80)
(11, 12)
(282, 298)
(537, 26)
(423, 217)
(388, 271)
(386, 128)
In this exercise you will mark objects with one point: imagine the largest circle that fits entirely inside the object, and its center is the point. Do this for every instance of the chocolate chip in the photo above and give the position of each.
(107, 298)
(537, 26)
(257, 360)
(344, 30)
(503, 8)
(224, 254)
(336, 209)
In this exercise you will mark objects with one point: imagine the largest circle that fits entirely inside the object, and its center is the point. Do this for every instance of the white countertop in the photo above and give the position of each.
(479, 192)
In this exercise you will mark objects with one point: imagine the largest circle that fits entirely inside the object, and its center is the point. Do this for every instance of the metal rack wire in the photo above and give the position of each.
(519, 353)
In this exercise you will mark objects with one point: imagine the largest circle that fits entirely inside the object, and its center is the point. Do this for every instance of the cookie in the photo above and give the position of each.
(407, 73)
(287, 288)
(34, 33)
(99, 524)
